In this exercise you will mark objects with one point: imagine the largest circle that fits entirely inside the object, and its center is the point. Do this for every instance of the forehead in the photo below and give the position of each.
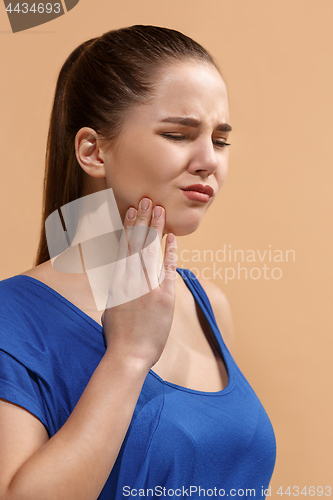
(190, 88)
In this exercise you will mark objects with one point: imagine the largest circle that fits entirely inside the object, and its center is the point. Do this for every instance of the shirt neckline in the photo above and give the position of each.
(97, 326)
(226, 359)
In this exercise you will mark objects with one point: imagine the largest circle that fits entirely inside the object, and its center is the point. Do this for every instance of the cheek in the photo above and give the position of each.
(142, 163)
(139, 172)
(156, 167)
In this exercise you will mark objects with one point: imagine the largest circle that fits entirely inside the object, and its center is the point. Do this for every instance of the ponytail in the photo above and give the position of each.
(62, 181)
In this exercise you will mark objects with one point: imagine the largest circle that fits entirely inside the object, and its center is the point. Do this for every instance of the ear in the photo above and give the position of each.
(89, 153)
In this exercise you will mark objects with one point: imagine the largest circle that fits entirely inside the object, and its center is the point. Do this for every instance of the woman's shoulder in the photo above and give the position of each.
(21, 302)
(222, 312)
(19, 287)
(12, 295)
(35, 318)
(26, 299)
(74, 288)
(20, 310)
(218, 301)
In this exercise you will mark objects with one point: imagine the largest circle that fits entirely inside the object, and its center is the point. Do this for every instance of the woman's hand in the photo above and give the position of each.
(139, 312)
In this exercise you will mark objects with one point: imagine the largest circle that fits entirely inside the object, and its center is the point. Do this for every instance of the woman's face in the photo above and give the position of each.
(172, 142)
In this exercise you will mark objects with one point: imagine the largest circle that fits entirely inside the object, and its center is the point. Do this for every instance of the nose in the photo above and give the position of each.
(204, 158)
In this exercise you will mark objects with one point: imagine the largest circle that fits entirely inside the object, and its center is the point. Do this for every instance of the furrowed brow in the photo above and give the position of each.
(224, 127)
(192, 122)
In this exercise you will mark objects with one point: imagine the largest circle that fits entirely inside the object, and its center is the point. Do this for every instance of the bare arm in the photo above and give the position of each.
(76, 462)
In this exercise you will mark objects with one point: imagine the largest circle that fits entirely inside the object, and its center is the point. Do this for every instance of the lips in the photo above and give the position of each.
(200, 188)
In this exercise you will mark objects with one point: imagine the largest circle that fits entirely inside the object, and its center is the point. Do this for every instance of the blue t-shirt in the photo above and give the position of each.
(181, 443)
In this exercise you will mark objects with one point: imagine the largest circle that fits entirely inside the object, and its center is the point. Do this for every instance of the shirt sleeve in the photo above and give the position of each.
(19, 385)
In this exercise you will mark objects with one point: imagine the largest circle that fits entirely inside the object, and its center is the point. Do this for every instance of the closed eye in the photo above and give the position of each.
(175, 137)
(221, 144)
(179, 138)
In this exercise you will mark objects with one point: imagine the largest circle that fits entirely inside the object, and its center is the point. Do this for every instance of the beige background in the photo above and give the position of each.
(276, 58)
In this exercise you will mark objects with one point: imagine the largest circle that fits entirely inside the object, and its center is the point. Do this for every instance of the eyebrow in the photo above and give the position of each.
(192, 122)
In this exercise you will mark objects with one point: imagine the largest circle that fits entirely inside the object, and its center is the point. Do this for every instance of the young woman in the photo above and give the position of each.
(146, 399)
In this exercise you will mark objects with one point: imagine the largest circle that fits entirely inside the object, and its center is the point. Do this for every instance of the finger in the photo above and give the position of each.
(152, 252)
(167, 281)
(129, 222)
(135, 267)
(139, 230)
(137, 281)
(123, 244)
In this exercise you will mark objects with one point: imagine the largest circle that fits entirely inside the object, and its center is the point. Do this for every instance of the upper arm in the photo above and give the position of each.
(222, 312)
(21, 435)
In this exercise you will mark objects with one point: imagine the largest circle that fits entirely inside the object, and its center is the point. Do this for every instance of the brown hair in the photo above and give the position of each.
(99, 81)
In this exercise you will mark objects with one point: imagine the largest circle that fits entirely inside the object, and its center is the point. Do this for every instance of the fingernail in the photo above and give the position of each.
(157, 211)
(144, 204)
(170, 237)
(131, 212)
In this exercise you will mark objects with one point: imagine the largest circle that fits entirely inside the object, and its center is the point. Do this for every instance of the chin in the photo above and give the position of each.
(182, 228)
